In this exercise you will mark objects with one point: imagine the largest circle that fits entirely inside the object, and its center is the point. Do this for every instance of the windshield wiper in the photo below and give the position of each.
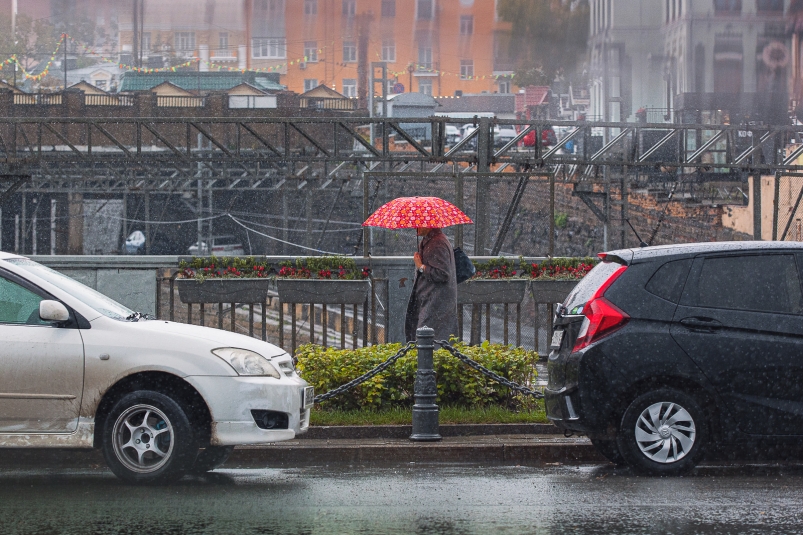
(136, 316)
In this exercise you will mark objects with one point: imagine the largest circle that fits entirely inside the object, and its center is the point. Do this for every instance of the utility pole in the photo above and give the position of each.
(64, 44)
(135, 34)
(363, 33)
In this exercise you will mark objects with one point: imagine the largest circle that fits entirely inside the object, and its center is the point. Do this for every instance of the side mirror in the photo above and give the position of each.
(53, 311)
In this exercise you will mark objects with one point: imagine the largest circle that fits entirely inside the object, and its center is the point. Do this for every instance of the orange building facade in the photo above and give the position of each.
(437, 47)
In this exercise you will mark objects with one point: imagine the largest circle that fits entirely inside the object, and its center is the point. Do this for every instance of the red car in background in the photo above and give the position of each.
(548, 138)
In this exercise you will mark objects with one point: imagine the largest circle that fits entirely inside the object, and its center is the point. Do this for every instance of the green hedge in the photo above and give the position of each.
(458, 384)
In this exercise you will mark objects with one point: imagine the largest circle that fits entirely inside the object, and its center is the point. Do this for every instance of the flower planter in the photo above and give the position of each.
(223, 290)
(323, 291)
(546, 291)
(483, 291)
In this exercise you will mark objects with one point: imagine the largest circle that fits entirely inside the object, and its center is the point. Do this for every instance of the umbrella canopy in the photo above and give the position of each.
(417, 212)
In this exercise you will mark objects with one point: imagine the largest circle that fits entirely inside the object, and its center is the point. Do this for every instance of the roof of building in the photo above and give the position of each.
(86, 87)
(413, 100)
(496, 103)
(202, 82)
(4, 85)
(322, 91)
(532, 95)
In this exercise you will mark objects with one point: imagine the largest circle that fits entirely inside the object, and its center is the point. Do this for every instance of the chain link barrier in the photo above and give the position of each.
(368, 375)
(448, 347)
(485, 371)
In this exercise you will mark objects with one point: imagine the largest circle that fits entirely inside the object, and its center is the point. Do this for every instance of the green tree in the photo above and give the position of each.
(549, 38)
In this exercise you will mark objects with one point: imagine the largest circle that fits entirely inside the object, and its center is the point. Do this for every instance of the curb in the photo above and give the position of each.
(404, 431)
(516, 451)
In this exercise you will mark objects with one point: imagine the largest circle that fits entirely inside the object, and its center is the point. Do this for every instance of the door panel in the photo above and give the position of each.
(41, 367)
(739, 320)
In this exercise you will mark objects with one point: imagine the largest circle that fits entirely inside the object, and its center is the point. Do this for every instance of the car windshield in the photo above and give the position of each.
(99, 302)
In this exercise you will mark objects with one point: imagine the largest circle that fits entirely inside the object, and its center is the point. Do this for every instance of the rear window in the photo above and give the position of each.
(588, 285)
(667, 283)
(767, 283)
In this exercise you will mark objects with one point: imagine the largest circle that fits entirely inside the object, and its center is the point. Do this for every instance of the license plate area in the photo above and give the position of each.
(557, 339)
(307, 397)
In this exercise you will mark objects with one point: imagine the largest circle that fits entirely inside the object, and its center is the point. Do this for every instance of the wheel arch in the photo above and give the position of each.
(165, 383)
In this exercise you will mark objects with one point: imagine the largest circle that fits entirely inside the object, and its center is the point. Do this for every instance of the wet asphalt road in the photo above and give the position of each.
(425, 499)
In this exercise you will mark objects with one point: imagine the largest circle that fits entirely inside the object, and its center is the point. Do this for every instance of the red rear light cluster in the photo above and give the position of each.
(601, 316)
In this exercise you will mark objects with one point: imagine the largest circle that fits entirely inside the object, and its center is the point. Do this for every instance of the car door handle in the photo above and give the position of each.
(701, 324)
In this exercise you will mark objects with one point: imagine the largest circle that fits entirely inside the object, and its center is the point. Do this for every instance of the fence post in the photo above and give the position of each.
(425, 410)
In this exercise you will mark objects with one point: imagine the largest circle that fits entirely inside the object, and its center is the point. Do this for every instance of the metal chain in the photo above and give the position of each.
(485, 371)
(362, 378)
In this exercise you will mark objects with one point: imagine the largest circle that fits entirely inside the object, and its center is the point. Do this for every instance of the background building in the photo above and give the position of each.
(437, 47)
(706, 60)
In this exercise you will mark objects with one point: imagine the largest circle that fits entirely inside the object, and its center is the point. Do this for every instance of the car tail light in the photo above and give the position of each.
(601, 316)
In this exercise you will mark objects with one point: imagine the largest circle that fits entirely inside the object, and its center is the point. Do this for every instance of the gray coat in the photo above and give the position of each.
(434, 299)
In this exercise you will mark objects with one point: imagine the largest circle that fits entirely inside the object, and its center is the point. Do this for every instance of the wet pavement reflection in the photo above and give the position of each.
(426, 499)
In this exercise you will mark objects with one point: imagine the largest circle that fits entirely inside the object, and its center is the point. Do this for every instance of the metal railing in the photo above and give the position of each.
(320, 103)
(108, 100)
(41, 99)
(180, 102)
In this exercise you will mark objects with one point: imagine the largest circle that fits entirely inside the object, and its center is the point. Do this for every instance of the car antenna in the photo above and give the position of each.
(641, 243)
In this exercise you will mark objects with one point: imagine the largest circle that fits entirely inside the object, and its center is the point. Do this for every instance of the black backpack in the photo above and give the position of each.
(464, 266)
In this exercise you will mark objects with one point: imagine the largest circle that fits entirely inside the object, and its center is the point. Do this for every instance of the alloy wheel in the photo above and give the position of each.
(143, 438)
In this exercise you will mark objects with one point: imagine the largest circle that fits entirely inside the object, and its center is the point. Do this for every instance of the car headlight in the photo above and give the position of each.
(247, 362)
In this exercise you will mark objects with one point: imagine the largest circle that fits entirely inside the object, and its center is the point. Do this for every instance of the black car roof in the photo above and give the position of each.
(641, 254)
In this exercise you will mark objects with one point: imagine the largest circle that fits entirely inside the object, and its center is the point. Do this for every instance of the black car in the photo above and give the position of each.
(661, 352)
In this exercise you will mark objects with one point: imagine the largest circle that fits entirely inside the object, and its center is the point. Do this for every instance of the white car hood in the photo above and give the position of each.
(214, 338)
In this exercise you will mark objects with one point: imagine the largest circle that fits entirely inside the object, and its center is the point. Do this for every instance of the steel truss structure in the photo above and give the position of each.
(158, 155)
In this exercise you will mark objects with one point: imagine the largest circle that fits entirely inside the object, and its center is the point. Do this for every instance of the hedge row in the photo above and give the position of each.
(458, 384)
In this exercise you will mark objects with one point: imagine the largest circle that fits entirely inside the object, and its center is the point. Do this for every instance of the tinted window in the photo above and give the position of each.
(667, 283)
(760, 283)
(588, 285)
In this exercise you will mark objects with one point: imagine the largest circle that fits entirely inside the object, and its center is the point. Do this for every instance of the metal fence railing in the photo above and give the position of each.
(108, 100)
(180, 102)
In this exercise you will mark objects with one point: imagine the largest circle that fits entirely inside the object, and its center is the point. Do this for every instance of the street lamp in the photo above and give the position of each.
(410, 69)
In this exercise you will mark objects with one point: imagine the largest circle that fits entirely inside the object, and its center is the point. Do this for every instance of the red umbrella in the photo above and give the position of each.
(417, 212)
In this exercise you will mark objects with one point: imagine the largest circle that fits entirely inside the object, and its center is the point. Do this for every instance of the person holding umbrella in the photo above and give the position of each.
(433, 302)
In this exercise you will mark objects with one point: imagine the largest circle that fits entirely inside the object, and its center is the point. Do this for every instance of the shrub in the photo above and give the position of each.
(326, 369)
(224, 267)
(500, 268)
(323, 267)
(562, 268)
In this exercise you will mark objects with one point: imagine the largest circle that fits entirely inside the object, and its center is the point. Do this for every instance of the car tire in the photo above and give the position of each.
(663, 432)
(148, 438)
(210, 458)
(609, 449)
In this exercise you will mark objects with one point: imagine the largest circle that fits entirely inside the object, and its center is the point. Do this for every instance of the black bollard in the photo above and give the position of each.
(425, 410)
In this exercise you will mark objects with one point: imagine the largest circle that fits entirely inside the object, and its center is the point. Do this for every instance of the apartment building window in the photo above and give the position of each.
(425, 9)
(770, 6)
(310, 84)
(145, 41)
(389, 50)
(504, 86)
(349, 8)
(349, 87)
(466, 24)
(268, 48)
(311, 51)
(223, 44)
(185, 41)
(727, 7)
(388, 8)
(310, 7)
(349, 51)
(425, 86)
(466, 68)
(424, 57)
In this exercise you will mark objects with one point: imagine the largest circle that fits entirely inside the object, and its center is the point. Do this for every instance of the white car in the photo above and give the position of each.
(161, 399)
(221, 246)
